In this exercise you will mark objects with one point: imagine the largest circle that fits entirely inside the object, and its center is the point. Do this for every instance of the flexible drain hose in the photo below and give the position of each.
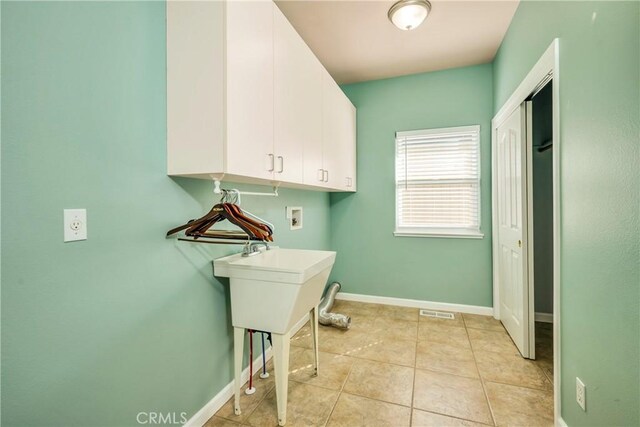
(332, 319)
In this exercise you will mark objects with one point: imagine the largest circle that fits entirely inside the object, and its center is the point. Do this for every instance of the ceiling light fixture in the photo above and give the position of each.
(409, 14)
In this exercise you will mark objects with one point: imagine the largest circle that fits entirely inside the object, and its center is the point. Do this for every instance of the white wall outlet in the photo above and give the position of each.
(75, 225)
(581, 394)
(294, 215)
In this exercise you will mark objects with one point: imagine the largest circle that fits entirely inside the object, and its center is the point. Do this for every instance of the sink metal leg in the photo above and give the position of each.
(313, 323)
(238, 350)
(281, 367)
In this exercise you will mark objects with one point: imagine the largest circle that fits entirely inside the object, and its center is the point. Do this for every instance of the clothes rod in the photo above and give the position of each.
(218, 190)
(217, 242)
(545, 146)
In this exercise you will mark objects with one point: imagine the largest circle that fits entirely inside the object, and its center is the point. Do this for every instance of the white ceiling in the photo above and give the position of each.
(356, 42)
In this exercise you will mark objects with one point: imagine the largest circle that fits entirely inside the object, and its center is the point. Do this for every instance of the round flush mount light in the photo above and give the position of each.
(409, 14)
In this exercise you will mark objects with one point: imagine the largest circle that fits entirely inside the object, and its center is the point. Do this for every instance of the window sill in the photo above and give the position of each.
(453, 234)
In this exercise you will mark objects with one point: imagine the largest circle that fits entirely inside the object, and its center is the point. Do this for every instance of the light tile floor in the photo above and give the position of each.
(396, 368)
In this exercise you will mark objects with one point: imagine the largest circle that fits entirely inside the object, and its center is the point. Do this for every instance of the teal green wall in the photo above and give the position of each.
(94, 332)
(370, 259)
(600, 189)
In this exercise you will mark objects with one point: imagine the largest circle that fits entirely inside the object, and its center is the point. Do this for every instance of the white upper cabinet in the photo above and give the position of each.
(250, 85)
(331, 158)
(314, 150)
(338, 137)
(347, 137)
(195, 90)
(297, 100)
(247, 101)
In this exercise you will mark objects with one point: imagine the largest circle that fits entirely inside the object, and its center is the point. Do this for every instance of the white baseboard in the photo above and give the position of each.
(214, 405)
(544, 317)
(208, 410)
(414, 303)
(561, 423)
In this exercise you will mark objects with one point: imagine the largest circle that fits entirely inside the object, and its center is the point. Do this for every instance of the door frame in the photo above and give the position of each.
(546, 69)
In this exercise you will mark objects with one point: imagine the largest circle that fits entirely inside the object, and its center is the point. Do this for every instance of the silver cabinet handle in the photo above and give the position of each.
(273, 163)
(347, 179)
(327, 176)
(281, 164)
(320, 174)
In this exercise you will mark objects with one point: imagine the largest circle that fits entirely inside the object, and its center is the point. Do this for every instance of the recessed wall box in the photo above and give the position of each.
(294, 215)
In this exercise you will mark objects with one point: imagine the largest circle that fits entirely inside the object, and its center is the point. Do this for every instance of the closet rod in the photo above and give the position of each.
(545, 146)
(218, 190)
(217, 242)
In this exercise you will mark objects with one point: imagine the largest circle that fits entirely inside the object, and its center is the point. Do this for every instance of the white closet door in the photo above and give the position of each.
(249, 95)
(512, 223)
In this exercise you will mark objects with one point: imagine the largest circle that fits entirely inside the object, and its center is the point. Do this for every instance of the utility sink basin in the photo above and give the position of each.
(271, 291)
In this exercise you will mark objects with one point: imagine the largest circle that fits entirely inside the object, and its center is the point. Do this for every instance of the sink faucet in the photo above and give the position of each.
(251, 249)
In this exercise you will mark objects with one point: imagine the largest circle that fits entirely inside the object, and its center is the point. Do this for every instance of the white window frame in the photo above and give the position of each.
(465, 233)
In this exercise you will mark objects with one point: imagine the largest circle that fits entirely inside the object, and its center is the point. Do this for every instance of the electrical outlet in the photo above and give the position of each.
(75, 225)
(581, 394)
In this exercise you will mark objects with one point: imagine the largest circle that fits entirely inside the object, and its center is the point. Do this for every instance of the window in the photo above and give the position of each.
(438, 182)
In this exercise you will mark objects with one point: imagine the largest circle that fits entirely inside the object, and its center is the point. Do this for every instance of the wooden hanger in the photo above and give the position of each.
(201, 227)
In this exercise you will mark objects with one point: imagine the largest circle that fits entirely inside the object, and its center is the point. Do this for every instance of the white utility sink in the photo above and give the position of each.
(271, 291)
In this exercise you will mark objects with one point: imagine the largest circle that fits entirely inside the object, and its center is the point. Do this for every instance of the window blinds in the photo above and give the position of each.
(438, 180)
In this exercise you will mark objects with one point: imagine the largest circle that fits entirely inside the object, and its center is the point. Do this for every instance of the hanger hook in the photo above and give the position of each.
(236, 194)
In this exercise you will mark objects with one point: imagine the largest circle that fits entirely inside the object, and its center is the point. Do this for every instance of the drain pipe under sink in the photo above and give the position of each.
(326, 318)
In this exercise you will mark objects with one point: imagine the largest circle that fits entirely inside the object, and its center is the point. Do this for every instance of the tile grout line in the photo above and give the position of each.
(416, 340)
(464, 327)
(454, 416)
(547, 376)
(484, 390)
(536, 364)
(353, 393)
(339, 393)
(264, 396)
(435, 371)
(375, 399)
(360, 357)
(415, 364)
(518, 385)
(248, 414)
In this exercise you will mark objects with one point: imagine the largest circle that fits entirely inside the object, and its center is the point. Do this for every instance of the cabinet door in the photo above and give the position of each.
(332, 107)
(340, 128)
(297, 101)
(250, 89)
(313, 168)
(348, 144)
(195, 88)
